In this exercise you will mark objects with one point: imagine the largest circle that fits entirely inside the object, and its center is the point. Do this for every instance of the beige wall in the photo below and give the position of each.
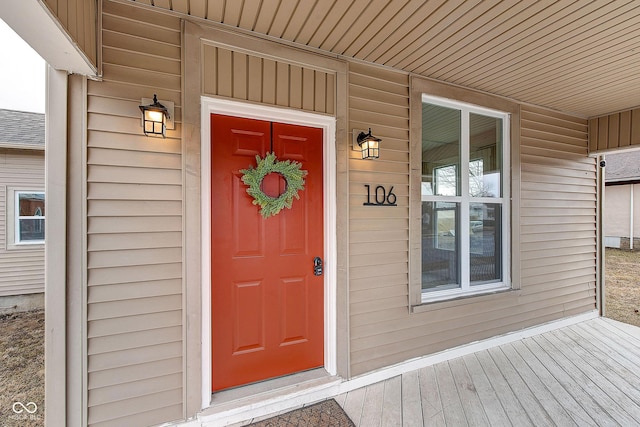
(79, 19)
(553, 229)
(617, 210)
(143, 212)
(134, 226)
(21, 268)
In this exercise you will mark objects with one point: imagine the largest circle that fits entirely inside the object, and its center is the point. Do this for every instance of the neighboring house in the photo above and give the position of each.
(622, 200)
(22, 210)
(165, 285)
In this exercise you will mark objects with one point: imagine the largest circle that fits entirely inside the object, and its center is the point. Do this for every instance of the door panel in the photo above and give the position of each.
(267, 305)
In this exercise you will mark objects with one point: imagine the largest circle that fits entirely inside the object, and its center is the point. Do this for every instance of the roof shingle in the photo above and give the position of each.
(20, 127)
(622, 166)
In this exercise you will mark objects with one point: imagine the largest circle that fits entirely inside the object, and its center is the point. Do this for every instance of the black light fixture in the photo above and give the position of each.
(369, 145)
(154, 118)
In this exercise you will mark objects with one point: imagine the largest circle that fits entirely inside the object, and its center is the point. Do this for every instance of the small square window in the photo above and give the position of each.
(29, 217)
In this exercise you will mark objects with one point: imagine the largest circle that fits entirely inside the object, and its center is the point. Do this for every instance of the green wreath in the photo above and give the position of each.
(291, 172)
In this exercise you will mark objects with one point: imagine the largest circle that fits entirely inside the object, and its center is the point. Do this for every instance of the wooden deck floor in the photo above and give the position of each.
(582, 375)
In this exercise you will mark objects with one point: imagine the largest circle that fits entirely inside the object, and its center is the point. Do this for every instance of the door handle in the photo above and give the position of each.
(317, 266)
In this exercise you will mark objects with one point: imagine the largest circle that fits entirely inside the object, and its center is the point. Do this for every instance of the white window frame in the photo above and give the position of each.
(465, 200)
(17, 217)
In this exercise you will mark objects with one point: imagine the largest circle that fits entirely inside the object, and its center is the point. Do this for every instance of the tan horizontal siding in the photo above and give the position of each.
(370, 359)
(122, 401)
(378, 236)
(127, 405)
(153, 416)
(615, 131)
(133, 373)
(21, 269)
(134, 225)
(142, 322)
(558, 231)
(477, 321)
(140, 224)
(556, 234)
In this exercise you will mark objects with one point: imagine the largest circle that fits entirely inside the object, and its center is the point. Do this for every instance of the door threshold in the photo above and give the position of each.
(270, 397)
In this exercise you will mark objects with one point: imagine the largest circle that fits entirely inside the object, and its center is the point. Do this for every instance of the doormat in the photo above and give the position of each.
(326, 414)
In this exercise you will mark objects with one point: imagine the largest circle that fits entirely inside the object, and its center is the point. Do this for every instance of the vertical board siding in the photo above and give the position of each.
(134, 226)
(79, 19)
(557, 234)
(21, 269)
(251, 78)
(618, 130)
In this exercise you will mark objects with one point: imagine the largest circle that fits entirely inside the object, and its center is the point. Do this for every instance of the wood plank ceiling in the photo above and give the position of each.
(581, 57)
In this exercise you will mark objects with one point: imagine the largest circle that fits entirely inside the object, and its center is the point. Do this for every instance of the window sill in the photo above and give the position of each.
(25, 246)
(464, 299)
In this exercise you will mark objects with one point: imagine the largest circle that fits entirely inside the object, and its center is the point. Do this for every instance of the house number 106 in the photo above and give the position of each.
(381, 196)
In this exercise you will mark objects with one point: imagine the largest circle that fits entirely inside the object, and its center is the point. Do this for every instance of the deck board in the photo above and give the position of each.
(551, 409)
(616, 387)
(392, 403)
(588, 403)
(586, 374)
(469, 399)
(353, 404)
(610, 350)
(602, 401)
(372, 408)
(623, 373)
(411, 402)
(491, 403)
(432, 412)
(510, 402)
(452, 405)
(559, 393)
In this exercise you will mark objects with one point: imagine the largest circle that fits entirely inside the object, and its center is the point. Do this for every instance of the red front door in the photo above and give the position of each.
(267, 304)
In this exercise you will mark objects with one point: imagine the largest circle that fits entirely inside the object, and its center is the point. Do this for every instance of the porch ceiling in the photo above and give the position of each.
(580, 56)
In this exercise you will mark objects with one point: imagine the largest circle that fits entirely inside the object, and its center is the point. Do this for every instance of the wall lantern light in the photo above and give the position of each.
(156, 117)
(368, 145)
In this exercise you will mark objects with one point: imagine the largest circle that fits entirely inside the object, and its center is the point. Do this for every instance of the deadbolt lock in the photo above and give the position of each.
(317, 266)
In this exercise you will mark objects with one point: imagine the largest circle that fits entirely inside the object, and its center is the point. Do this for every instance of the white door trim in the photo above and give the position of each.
(210, 106)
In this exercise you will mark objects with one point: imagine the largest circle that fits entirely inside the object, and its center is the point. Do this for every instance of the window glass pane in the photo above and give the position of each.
(485, 243)
(440, 150)
(445, 180)
(485, 161)
(440, 246)
(31, 229)
(31, 204)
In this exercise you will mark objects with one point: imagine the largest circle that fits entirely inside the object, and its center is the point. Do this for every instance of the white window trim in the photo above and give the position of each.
(465, 200)
(17, 218)
(12, 236)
